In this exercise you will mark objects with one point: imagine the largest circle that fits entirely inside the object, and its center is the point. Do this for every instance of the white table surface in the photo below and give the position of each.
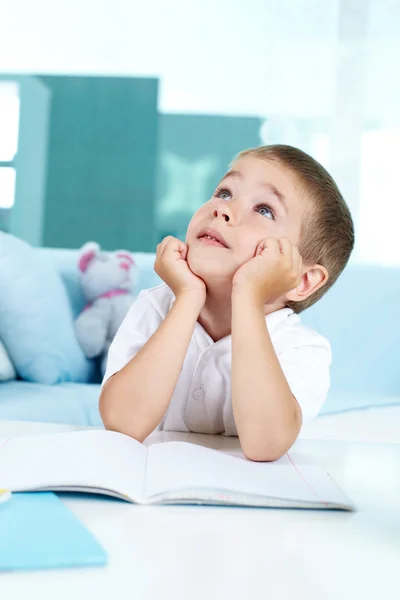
(195, 553)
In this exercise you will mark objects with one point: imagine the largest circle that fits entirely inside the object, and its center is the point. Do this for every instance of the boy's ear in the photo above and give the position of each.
(311, 281)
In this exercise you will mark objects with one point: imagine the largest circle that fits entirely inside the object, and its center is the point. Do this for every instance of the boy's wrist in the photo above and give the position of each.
(191, 301)
(246, 295)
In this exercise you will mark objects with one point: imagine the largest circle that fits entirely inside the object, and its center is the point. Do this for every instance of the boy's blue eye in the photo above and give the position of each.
(265, 211)
(223, 193)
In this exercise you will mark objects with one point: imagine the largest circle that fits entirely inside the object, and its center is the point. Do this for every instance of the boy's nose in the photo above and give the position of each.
(223, 211)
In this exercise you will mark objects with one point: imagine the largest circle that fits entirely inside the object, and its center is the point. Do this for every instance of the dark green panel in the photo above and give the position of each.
(194, 152)
(102, 162)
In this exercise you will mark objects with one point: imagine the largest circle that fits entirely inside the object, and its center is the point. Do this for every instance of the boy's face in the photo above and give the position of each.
(256, 199)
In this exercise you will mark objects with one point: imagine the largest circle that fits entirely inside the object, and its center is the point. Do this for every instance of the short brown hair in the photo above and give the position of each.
(327, 232)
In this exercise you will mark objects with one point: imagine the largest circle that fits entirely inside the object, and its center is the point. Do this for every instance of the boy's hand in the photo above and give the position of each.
(171, 265)
(273, 272)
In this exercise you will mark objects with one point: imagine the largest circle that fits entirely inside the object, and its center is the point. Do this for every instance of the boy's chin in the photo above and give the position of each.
(210, 270)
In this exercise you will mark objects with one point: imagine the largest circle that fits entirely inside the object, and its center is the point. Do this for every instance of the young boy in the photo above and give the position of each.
(220, 347)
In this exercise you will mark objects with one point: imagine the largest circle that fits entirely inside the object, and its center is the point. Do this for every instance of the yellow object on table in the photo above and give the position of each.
(4, 495)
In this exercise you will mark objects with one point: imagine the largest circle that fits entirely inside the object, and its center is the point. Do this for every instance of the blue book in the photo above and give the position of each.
(37, 531)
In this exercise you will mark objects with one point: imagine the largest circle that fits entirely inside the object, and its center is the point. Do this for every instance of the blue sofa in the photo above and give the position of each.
(360, 317)
(72, 403)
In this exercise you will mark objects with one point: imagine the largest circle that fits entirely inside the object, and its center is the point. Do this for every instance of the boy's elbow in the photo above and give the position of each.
(114, 421)
(261, 454)
(106, 407)
(266, 445)
(260, 451)
(108, 414)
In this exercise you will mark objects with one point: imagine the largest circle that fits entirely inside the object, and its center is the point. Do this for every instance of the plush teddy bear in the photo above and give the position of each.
(106, 280)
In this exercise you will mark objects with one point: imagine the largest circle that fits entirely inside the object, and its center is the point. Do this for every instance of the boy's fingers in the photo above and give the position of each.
(286, 248)
(182, 249)
(180, 245)
(167, 239)
(177, 245)
(161, 246)
(260, 248)
(174, 247)
(272, 246)
(172, 244)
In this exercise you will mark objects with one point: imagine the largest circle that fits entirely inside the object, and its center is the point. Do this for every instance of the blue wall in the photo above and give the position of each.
(102, 162)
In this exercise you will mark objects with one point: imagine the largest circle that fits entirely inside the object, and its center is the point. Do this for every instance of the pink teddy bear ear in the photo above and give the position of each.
(126, 257)
(87, 254)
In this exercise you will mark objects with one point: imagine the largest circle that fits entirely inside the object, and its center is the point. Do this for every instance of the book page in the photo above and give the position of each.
(102, 460)
(182, 467)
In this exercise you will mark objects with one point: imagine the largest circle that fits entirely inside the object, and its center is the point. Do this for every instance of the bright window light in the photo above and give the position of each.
(7, 187)
(9, 120)
(379, 210)
(320, 148)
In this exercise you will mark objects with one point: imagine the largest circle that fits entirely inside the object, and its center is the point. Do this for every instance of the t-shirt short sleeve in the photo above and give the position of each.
(142, 320)
(305, 359)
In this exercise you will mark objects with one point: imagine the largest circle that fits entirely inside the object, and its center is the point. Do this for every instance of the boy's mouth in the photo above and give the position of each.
(212, 238)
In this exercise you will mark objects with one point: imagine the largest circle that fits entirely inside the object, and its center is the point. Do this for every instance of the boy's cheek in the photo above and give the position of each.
(194, 224)
(249, 249)
(190, 232)
(246, 255)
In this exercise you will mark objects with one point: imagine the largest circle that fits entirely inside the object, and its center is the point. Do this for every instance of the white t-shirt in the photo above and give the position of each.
(202, 400)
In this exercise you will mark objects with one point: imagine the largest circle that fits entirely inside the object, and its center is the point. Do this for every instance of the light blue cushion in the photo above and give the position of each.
(147, 276)
(339, 402)
(72, 403)
(36, 323)
(7, 370)
(360, 317)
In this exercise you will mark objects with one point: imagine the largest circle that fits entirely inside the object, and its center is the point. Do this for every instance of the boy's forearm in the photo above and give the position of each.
(135, 399)
(267, 416)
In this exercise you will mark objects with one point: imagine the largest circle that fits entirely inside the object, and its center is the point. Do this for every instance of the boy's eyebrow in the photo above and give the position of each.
(281, 197)
(233, 174)
(269, 186)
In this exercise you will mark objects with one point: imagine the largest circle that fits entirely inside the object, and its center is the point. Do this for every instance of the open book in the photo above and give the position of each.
(171, 472)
